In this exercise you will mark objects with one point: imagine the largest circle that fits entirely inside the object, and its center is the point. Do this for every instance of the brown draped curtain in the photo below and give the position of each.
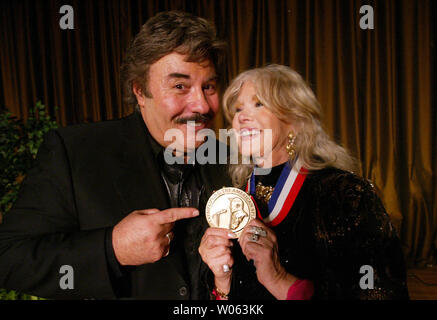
(376, 86)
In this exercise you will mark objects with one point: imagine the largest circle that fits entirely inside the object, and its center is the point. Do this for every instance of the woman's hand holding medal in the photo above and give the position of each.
(259, 243)
(215, 250)
(227, 211)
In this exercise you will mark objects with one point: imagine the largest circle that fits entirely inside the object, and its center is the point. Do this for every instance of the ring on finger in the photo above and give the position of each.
(253, 237)
(169, 237)
(258, 231)
(226, 268)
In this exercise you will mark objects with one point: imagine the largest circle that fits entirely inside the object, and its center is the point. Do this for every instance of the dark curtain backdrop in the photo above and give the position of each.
(376, 86)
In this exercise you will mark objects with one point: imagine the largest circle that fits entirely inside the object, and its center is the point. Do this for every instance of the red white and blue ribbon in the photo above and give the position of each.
(284, 194)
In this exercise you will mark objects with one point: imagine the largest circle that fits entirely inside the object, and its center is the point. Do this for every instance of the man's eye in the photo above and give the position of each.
(180, 86)
(209, 88)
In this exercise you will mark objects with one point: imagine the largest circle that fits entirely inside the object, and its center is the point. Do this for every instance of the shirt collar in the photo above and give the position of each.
(175, 172)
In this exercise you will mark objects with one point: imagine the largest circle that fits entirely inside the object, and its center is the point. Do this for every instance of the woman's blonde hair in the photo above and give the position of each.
(284, 92)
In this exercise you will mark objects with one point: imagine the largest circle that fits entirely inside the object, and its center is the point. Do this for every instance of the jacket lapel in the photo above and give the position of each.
(139, 183)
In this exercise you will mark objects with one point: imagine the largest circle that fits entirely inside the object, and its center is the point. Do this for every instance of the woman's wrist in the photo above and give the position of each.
(280, 284)
(222, 287)
(218, 295)
(223, 284)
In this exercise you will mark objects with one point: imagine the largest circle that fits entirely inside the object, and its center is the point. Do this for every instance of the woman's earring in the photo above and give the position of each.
(291, 148)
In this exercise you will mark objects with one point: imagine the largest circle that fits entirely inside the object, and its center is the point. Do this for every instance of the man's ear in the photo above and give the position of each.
(138, 92)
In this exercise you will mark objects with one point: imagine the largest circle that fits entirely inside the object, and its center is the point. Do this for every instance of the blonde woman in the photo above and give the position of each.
(321, 232)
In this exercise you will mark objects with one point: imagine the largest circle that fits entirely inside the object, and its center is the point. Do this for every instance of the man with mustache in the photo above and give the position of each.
(101, 198)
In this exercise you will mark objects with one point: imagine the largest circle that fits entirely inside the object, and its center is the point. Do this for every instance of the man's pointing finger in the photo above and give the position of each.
(175, 214)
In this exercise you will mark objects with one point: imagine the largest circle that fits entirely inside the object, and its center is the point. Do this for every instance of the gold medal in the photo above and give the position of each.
(230, 208)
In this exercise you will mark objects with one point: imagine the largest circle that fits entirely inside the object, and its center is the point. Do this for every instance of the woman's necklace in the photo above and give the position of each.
(263, 193)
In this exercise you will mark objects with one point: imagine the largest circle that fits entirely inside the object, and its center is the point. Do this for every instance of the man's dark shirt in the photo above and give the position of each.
(183, 191)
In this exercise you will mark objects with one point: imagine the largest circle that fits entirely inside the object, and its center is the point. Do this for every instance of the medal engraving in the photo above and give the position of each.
(230, 208)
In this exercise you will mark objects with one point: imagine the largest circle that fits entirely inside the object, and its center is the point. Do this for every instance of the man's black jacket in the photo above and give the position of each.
(85, 180)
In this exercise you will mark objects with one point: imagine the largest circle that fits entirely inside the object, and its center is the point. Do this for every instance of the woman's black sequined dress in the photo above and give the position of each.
(337, 225)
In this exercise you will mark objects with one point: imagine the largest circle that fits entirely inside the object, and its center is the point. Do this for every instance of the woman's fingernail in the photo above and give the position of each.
(232, 235)
(195, 213)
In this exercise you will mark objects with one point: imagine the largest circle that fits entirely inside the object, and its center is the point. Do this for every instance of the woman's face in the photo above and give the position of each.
(259, 132)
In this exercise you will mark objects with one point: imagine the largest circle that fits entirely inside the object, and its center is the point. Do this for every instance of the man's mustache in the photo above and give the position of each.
(197, 117)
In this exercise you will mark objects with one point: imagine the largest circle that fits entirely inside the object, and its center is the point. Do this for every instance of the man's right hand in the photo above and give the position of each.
(141, 237)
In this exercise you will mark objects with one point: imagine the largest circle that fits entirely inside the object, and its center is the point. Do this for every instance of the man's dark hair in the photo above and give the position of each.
(168, 32)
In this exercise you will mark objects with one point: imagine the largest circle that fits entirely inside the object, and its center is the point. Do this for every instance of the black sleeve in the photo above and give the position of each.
(42, 233)
(119, 275)
(356, 237)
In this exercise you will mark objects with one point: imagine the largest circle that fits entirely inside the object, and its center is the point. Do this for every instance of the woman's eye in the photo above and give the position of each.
(259, 104)
(237, 110)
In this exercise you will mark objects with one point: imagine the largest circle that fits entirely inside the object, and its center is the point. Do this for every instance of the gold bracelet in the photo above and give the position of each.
(221, 294)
